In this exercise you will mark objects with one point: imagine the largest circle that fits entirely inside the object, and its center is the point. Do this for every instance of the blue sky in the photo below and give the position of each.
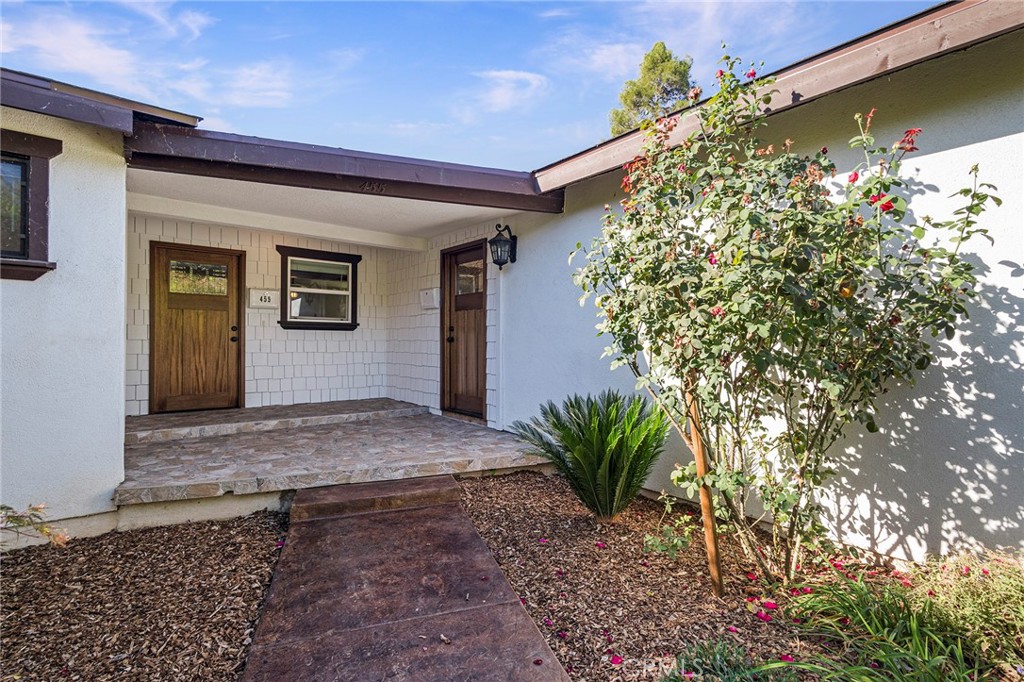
(512, 85)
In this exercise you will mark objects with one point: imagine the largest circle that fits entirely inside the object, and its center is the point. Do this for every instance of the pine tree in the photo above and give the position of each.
(660, 89)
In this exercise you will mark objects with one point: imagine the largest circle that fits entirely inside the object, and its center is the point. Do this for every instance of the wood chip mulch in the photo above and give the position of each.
(172, 603)
(598, 598)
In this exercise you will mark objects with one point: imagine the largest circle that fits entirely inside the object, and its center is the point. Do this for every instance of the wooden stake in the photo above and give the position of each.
(707, 508)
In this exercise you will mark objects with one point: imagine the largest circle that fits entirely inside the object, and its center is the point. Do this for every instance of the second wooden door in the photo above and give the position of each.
(464, 329)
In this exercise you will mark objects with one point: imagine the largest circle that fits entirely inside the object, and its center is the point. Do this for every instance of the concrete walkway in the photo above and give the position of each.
(390, 581)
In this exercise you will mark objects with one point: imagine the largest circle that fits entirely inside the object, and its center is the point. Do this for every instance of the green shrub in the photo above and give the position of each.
(981, 596)
(884, 635)
(721, 661)
(673, 535)
(606, 447)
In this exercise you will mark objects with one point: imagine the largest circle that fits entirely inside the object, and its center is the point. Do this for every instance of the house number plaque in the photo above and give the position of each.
(264, 298)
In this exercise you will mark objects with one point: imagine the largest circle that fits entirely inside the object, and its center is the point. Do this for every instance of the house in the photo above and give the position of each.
(332, 275)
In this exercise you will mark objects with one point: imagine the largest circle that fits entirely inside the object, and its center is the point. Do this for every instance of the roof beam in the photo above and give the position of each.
(174, 149)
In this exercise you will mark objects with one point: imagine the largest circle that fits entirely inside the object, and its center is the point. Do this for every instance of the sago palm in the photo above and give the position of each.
(605, 446)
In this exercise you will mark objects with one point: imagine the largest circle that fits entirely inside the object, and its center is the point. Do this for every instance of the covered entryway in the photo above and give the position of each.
(464, 329)
(197, 346)
(197, 194)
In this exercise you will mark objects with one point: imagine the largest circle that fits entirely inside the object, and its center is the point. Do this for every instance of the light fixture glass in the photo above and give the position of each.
(503, 246)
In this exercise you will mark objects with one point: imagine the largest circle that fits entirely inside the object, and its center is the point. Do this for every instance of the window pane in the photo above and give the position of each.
(315, 274)
(13, 216)
(188, 277)
(313, 306)
(471, 277)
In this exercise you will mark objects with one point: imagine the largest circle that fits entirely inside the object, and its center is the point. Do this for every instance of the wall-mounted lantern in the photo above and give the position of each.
(503, 246)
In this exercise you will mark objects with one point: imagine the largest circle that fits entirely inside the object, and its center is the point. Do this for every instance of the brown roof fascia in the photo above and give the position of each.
(142, 110)
(930, 34)
(174, 149)
(63, 100)
(18, 93)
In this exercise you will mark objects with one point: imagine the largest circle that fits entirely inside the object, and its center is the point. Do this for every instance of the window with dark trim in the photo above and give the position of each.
(24, 204)
(318, 289)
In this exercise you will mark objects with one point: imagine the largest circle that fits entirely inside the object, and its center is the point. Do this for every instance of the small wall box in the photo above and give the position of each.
(264, 298)
(430, 299)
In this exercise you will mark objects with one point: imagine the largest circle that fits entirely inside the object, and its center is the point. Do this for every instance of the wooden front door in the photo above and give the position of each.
(464, 329)
(196, 335)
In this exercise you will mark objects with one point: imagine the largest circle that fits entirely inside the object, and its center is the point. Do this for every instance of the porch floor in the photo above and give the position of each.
(285, 451)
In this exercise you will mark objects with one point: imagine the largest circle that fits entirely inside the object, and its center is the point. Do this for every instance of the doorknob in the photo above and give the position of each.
(450, 339)
(234, 339)
(234, 328)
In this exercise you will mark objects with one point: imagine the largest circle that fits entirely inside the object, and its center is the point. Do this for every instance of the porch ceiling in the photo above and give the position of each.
(368, 219)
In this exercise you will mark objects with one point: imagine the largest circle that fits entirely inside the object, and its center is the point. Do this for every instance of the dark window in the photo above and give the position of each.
(24, 204)
(318, 289)
(14, 207)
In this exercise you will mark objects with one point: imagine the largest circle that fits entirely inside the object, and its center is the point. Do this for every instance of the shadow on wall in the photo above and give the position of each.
(947, 468)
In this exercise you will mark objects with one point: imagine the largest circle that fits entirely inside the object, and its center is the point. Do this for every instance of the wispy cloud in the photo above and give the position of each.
(507, 89)
(110, 52)
(266, 84)
(418, 128)
(751, 29)
(605, 57)
(69, 45)
(556, 13)
(162, 14)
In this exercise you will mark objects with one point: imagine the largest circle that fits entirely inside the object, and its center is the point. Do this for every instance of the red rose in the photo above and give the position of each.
(853, 177)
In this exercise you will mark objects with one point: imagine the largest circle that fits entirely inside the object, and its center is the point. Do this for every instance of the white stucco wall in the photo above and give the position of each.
(62, 336)
(947, 467)
(282, 366)
(550, 346)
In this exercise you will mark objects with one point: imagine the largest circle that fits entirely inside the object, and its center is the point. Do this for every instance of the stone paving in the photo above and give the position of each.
(260, 461)
(179, 425)
(392, 582)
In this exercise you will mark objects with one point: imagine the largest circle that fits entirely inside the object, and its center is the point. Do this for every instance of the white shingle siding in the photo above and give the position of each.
(282, 367)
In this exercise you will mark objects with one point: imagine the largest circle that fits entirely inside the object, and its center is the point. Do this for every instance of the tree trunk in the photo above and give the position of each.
(707, 508)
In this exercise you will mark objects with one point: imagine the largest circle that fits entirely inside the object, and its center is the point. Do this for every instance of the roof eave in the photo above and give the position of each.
(69, 107)
(174, 149)
(62, 100)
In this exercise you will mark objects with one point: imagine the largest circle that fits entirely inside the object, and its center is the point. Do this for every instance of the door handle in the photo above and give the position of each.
(234, 339)
(234, 328)
(450, 339)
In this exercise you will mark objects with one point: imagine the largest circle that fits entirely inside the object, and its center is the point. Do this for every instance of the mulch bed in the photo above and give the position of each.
(181, 602)
(598, 598)
(172, 603)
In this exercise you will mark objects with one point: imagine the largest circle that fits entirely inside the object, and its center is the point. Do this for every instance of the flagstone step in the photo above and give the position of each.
(359, 498)
(158, 428)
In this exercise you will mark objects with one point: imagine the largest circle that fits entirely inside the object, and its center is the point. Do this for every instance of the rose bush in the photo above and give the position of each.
(750, 283)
